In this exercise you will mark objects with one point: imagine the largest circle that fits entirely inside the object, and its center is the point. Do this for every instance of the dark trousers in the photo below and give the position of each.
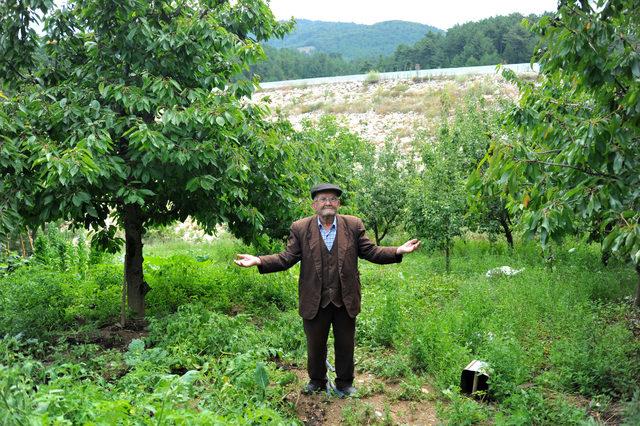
(317, 332)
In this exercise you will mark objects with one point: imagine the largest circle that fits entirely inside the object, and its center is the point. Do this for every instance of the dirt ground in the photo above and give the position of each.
(380, 403)
(111, 337)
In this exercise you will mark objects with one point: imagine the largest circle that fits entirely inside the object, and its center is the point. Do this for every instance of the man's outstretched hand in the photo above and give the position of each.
(408, 247)
(247, 260)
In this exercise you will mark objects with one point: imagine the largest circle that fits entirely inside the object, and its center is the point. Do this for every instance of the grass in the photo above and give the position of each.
(559, 338)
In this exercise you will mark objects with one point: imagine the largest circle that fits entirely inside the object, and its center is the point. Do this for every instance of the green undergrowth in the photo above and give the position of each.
(558, 337)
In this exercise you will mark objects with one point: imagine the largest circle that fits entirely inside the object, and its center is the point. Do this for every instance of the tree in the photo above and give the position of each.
(478, 126)
(519, 45)
(578, 154)
(138, 110)
(375, 183)
(382, 193)
(437, 198)
(334, 154)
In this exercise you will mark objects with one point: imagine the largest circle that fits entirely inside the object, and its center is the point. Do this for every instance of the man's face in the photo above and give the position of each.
(326, 203)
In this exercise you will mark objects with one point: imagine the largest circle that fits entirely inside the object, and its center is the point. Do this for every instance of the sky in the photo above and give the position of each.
(442, 14)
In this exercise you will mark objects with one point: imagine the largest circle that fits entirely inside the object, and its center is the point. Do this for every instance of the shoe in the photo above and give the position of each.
(345, 392)
(311, 388)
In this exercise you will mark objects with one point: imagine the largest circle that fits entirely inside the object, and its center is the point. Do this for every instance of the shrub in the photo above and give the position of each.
(389, 320)
(180, 280)
(598, 360)
(461, 410)
(372, 77)
(434, 349)
(285, 333)
(632, 411)
(531, 406)
(34, 302)
(194, 333)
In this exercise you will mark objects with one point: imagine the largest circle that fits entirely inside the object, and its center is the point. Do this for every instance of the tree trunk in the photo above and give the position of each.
(24, 248)
(136, 287)
(637, 301)
(30, 236)
(375, 234)
(447, 258)
(504, 221)
(123, 304)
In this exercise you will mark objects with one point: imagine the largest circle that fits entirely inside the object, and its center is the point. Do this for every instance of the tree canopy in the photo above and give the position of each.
(139, 111)
(576, 160)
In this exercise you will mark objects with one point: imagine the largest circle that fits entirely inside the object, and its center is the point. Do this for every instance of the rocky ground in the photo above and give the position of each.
(396, 109)
(381, 402)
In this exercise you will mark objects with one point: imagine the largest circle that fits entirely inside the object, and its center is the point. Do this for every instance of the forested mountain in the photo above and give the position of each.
(501, 39)
(350, 40)
(290, 64)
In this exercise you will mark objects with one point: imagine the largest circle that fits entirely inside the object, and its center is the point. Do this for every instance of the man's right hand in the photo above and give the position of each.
(247, 260)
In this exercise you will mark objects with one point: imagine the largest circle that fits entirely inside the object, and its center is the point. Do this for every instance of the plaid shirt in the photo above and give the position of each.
(330, 235)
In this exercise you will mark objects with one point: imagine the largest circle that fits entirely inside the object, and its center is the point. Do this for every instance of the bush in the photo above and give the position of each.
(98, 296)
(372, 77)
(434, 349)
(285, 333)
(57, 250)
(180, 280)
(34, 302)
(531, 406)
(461, 410)
(632, 411)
(388, 321)
(598, 360)
(194, 333)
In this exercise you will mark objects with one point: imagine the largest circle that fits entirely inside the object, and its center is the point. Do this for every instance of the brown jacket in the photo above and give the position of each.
(304, 245)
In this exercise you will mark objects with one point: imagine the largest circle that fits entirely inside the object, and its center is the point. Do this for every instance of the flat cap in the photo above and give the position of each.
(325, 187)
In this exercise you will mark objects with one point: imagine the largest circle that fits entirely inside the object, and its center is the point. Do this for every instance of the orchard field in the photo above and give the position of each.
(223, 345)
(138, 156)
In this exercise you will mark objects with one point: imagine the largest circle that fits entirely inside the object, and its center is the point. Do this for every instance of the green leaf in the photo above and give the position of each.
(76, 200)
(220, 121)
(102, 90)
(629, 241)
(189, 377)
(261, 376)
(617, 163)
(147, 192)
(635, 69)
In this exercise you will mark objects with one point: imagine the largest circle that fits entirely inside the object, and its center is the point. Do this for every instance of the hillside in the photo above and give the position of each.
(321, 49)
(388, 109)
(353, 41)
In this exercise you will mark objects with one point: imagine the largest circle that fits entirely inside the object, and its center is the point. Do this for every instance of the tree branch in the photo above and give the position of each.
(569, 166)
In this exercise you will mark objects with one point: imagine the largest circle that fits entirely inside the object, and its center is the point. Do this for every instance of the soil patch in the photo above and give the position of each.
(117, 337)
(380, 403)
(110, 337)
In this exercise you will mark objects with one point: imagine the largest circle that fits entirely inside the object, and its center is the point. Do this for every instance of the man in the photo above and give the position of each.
(328, 246)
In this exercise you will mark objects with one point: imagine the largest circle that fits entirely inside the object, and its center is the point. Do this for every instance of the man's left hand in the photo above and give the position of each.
(408, 247)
